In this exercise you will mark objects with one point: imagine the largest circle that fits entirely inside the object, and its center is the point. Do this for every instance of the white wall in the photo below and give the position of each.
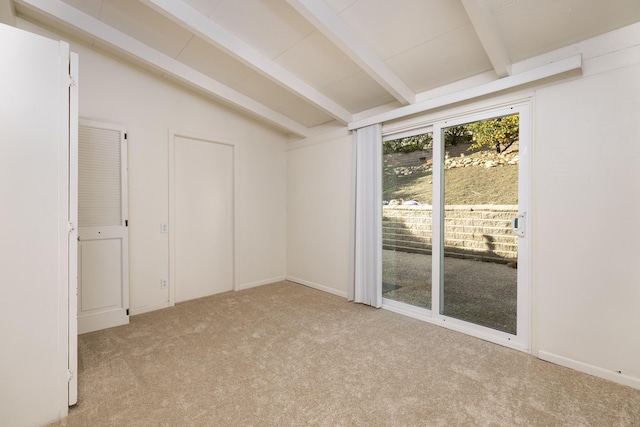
(586, 202)
(148, 106)
(587, 205)
(318, 209)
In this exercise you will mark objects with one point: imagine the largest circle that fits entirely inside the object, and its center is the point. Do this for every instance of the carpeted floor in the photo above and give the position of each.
(287, 355)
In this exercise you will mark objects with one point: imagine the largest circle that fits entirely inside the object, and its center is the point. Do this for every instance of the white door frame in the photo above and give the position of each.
(173, 134)
(523, 340)
(73, 229)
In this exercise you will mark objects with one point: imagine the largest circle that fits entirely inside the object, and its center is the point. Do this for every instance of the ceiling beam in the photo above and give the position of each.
(549, 70)
(65, 14)
(334, 28)
(7, 13)
(197, 23)
(487, 32)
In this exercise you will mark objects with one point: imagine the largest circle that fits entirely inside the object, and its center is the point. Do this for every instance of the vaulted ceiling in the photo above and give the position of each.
(299, 64)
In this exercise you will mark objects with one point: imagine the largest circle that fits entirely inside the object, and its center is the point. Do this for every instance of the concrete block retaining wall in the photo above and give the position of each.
(476, 231)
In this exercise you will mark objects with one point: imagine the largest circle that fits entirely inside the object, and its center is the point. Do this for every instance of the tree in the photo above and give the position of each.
(408, 144)
(499, 133)
(456, 134)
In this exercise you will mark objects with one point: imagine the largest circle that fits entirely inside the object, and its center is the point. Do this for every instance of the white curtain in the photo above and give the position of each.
(366, 236)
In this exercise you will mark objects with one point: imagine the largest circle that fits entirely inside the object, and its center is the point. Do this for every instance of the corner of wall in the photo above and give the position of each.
(7, 13)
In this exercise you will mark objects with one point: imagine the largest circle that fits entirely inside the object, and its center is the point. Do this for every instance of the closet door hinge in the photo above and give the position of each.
(69, 375)
(72, 81)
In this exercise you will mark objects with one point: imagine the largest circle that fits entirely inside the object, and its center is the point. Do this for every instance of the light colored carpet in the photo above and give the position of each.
(287, 355)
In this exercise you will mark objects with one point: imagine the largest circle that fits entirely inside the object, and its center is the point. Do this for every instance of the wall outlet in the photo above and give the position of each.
(164, 283)
(164, 227)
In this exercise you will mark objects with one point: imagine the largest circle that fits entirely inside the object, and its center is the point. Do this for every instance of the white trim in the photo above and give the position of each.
(73, 234)
(148, 308)
(549, 70)
(615, 376)
(419, 129)
(407, 310)
(64, 254)
(437, 234)
(486, 334)
(425, 315)
(521, 339)
(106, 319)
(313, 285)
(474, 107)
(260, 283)
(171, 217)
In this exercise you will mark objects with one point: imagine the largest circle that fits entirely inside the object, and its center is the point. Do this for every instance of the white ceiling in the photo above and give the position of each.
(298, 64)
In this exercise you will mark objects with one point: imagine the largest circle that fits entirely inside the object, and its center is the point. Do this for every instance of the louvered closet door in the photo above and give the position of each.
(103, 277)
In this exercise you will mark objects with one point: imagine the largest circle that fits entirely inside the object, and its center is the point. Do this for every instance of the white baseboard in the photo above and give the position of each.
(323, 288)
(148, 308)
(260, 283)
(596, 371)
(104, 320)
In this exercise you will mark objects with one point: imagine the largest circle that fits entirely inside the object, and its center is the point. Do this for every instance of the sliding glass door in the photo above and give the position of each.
(407, 218)
(454, 224)
(479, 251)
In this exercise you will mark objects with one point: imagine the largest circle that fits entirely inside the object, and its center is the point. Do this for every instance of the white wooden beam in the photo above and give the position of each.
(199, 24)
(62, 12)
(7, 13)
(549, 70)
(328, 23)
(486, 30)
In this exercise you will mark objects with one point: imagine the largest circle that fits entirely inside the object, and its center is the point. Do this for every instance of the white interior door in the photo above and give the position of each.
(34, 232)
(202, 227)
(103, 276)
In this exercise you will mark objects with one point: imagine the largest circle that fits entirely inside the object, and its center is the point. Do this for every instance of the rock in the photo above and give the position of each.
(489, 164)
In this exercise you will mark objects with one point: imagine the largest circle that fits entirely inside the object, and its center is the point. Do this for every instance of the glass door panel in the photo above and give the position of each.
(407, 219)
(480, 198)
